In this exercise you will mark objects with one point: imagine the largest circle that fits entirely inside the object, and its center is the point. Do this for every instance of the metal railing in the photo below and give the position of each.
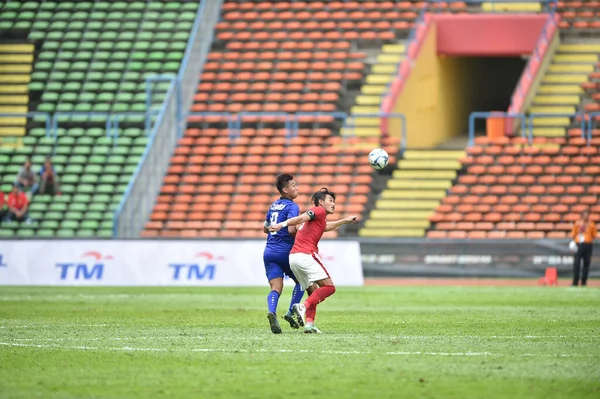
(527, 122)
(46, 117)
(485, 115)
(533, 116)
(590, 125)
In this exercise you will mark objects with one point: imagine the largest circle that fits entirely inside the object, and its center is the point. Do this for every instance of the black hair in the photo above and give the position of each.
(321, 195)
(282, 181)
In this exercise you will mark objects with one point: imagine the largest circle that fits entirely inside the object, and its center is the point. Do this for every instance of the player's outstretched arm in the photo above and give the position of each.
(290, 222)
(337, 223)
(266, 227)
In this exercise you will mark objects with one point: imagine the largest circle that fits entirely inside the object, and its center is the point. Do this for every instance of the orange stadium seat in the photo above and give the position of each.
(536, 192)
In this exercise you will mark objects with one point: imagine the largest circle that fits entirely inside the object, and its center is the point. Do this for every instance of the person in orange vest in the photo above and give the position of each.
(583, 233)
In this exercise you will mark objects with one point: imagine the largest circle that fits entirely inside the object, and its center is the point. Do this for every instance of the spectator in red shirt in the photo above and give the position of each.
(2, 206)
(17, 205)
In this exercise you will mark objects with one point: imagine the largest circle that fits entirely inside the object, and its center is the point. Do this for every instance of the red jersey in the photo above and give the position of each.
(17, 201)
(309, 233)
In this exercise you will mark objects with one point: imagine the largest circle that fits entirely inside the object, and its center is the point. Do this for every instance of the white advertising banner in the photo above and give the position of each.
(157, 263)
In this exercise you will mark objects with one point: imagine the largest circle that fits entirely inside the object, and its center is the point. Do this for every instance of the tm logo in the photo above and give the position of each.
(90, 267)
(2, 264)
(203, 267)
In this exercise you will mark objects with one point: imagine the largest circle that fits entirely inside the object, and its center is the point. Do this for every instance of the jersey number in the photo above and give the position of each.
(274, 217)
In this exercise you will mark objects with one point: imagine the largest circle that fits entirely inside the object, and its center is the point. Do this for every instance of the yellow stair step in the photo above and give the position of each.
(393, 48)
(17, 48)
(425, 154)
(559, 99)
(389, 58)
(405, 194)
(397, 224)
(16, 58)
(364, 110)
(15, 68)
(13, 121)
(368, 100)
(424, 205)
(548, 131)
(423, 164)
(575, 58)
(363, 121)
(373, 89)
(511, 7)
(419, 184)
(13, 109)
(579, 48)
(551, 121)
(391, 232)
(565, 78)
(424, 174)
(5, 89)
(560, 89)
(13, 99)
(15, 78)
(384, 69)
(552, 109)
(545, 145)
(571, 68)
(12, 131)
(361, 131)
(379, 79)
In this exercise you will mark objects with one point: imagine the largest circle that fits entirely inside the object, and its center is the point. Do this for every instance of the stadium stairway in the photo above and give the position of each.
(560, 90)
(15, 74)
(369, 101)
(413, 192)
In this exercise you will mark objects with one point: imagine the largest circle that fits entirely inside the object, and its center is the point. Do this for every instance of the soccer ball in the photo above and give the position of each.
(378, 158)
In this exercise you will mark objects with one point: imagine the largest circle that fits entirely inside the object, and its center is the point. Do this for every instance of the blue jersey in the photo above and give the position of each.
(280, 211)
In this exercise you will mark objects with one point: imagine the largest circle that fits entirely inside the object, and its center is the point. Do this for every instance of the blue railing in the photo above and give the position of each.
(292, 121)
(533, 116)
(287, 118)
(45, 115)
(590, 125)
(485, 115)
(527, 122)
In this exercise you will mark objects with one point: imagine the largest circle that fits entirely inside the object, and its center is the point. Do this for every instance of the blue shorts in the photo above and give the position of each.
(277, 264)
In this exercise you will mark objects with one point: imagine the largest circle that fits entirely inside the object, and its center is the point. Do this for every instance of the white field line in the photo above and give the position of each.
(323, 337)
(292, 351)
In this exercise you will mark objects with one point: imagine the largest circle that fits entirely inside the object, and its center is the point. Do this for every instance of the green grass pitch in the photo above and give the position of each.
(377, 342)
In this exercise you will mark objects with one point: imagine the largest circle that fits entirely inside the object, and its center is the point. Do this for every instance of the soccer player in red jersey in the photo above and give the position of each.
(304, 256)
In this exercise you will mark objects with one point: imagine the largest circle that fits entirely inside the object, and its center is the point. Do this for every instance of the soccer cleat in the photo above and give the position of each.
(311, 329)
(289, 317)
(299, 310)
(275, 327)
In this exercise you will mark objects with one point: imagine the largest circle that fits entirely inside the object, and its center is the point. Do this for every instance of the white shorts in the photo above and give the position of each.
(308, 268)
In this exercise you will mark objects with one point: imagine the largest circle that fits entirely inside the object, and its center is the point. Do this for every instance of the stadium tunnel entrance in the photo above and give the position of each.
(487, 84)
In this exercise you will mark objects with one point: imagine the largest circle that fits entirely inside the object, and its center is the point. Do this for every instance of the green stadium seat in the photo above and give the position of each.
(91, 56)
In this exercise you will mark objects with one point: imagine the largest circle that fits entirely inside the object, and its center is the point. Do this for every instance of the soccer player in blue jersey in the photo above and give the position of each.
(277, 250)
